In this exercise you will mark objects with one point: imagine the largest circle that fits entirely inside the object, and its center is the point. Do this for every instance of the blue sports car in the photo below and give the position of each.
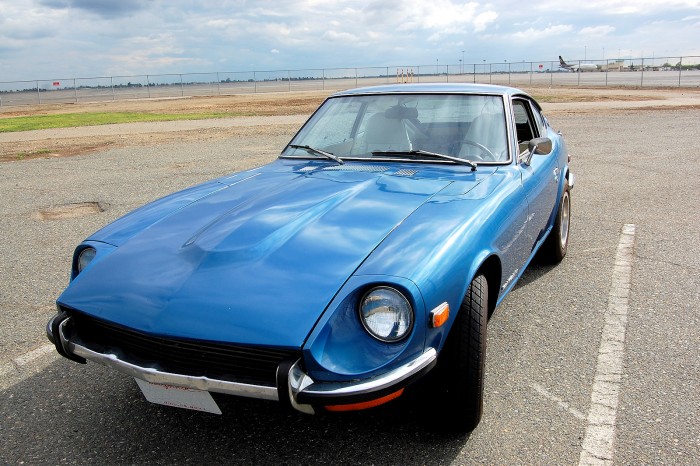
(368, 256)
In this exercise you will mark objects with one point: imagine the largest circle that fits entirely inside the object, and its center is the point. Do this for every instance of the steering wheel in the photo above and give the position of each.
(489, 155)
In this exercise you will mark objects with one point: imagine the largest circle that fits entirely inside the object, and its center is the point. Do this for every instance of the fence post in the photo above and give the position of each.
(641, 84)
(323, 79)
(509, 74)
(148, 86)
(551, 75)
(75, 91)
(255, 84)
(355, 77)
(530, 73)
(680, 70)
(289, 80)
(182, 88)
(38, 93)
(607, 65)
(218, 84)
(447, 67)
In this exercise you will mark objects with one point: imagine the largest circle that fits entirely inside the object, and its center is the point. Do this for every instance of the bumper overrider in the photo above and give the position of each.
(294, 387)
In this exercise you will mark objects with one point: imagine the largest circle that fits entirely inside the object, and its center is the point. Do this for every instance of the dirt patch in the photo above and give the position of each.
(255, 104)
(69, 146)
(81, 209)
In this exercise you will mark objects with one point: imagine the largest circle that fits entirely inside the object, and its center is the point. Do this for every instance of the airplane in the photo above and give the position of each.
(578, 68)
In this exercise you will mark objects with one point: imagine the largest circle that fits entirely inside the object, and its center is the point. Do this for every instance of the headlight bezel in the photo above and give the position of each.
(406, 313)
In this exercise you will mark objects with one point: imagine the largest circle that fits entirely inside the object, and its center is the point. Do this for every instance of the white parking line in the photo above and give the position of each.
(559, 402)
(599, 442)
(26, 365)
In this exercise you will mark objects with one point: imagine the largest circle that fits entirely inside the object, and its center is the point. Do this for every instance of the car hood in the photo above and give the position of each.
(255, 261)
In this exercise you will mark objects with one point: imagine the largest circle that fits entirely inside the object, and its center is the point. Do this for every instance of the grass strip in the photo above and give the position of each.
(69, 120)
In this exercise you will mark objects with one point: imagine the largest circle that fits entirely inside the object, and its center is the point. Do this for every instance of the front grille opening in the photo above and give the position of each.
(221, 361)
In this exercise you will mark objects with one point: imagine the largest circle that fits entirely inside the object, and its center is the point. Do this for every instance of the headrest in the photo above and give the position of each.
(399, 112)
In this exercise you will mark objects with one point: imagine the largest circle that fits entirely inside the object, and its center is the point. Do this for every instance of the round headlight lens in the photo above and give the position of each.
(85, 257)
(386, 314)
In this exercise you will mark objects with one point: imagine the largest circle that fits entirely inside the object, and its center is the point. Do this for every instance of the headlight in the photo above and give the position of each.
(386, 314)
(85, 257)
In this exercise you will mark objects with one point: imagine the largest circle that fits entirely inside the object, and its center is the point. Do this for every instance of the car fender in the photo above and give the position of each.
(339, 348)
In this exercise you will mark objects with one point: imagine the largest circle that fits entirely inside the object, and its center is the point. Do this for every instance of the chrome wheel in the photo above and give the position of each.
(564, 220)
(554, 248)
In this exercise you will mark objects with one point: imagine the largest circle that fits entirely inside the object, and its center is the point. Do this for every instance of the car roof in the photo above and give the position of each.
(434, 88)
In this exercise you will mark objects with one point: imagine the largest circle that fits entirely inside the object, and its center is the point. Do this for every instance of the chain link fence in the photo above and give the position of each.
(662, 72)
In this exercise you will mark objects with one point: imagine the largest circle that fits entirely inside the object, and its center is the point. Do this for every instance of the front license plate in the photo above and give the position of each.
(179, 397)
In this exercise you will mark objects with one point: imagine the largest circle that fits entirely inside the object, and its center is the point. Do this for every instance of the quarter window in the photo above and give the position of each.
(526, 127)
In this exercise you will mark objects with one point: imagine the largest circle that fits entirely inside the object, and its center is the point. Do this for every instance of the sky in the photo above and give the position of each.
(48, 39)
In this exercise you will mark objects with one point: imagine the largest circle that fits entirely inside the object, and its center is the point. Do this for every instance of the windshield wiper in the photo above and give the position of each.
(427, 154)
(313, 150)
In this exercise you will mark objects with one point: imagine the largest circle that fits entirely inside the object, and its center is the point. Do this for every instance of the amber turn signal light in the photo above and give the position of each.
(439, 315)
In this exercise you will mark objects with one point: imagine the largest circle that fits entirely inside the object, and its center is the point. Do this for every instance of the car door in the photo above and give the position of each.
(540, 177)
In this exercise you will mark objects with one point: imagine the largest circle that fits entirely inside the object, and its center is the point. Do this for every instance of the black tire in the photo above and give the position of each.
(555, 246)
(460, 369)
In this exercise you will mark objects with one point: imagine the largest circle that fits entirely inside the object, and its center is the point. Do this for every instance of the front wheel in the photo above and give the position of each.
(555, 246)
(460, 368)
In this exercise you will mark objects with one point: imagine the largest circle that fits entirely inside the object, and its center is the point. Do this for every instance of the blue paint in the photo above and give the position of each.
(280, 255)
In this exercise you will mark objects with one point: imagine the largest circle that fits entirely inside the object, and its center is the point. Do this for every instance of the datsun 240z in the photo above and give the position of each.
(367, 256)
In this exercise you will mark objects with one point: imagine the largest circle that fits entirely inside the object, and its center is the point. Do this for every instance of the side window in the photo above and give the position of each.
(540, 121)
(526, 127)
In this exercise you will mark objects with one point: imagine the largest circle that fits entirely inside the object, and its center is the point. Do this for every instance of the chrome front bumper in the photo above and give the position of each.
(294, 386)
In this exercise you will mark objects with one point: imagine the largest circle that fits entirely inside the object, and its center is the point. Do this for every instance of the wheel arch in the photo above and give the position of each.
(491, 268)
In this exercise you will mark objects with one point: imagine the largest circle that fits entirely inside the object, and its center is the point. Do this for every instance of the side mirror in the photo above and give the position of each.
(539, 146)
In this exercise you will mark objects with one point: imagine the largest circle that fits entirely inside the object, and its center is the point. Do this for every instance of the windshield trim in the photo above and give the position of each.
(507, 107)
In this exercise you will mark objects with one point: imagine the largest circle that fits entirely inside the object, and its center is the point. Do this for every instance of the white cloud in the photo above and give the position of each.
(536, 34)
(482, 20)
(439, 16)
(336, 36)
(40, 38)
(618, 7)
(597, 31)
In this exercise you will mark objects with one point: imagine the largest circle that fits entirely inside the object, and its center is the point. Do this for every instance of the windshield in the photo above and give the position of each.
(470, 127)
